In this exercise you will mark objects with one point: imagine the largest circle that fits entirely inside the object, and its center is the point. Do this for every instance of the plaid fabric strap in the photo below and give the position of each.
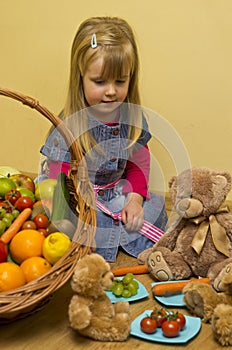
(150, 231)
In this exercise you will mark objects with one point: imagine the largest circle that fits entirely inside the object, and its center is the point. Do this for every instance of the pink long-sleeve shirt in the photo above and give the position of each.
(136, 175)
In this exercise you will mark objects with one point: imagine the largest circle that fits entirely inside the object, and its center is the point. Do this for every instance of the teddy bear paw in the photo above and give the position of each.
(122, 307)
(223, 282)
(194, 302)
(201, 300)
(158, 267)
(143, 256)
(222, 324)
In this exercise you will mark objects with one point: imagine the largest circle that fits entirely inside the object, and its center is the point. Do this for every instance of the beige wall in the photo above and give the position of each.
(186, 75)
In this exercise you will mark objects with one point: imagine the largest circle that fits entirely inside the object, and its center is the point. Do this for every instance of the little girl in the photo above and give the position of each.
(104, 113)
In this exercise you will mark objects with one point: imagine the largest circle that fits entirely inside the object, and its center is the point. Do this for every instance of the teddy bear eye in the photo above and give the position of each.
(104, 274)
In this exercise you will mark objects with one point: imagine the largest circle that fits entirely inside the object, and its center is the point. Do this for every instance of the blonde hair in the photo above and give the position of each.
(116, 42)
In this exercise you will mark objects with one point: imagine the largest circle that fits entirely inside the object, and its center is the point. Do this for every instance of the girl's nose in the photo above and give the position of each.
(110, 90)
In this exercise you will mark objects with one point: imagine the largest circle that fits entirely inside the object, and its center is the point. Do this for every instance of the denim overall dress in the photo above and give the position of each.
(105, 168)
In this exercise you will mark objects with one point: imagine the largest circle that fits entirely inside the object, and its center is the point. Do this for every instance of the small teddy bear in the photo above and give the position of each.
(215, 307)
(198, 241)
(91, 312)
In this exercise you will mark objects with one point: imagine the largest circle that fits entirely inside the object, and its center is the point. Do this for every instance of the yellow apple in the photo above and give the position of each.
(45, 189)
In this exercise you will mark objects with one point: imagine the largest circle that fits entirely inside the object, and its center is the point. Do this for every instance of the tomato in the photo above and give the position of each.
(43, 231)
(29, 224)
(159, 315)
(170, 328)
(148, 325)
(12, 196)
(41, 221)
(24, 202)
(181, 320)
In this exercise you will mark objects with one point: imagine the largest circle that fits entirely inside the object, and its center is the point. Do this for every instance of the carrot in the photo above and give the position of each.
(136, 270)
(7, 236)
(172, 288)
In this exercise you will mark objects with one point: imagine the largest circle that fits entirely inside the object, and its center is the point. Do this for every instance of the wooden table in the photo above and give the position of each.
(49, 329)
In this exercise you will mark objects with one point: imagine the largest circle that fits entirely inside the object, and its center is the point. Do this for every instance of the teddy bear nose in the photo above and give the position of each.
(184, 204)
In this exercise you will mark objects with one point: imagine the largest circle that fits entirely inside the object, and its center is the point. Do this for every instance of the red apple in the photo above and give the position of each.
(23, 181)
(3, 251)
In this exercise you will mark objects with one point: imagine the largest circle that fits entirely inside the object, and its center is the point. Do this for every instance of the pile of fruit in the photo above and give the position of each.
(29, 243)
(125, 287)
(171, 323)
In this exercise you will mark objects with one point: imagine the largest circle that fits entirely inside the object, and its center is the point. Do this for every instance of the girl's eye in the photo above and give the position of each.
(120, 81)
(99, 82)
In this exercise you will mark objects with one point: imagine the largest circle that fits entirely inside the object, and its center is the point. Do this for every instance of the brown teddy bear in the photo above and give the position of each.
(91, 312)
(198, 241)
(215, 307)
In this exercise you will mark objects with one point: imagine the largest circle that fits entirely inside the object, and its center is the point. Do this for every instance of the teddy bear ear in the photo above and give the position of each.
(227, 176)
(78, 278)
(79, 272)
(220, 182)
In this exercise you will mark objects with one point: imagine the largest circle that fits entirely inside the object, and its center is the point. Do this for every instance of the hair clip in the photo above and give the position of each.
(94, 41)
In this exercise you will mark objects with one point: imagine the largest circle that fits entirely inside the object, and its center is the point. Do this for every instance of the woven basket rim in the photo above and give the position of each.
(23, 301)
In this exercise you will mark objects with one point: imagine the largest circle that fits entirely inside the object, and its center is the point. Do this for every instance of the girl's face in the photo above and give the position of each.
(105, 95)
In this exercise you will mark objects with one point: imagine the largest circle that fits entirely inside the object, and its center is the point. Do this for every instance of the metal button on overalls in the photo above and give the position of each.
(115, 132)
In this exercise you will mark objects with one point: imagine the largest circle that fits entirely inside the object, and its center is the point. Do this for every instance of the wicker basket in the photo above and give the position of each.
(31, 297)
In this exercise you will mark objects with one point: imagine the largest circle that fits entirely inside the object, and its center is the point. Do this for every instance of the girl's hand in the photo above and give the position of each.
(132, 213)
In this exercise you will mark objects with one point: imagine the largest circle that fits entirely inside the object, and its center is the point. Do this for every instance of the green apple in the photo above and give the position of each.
(45, 189)
(6, 184)
(28, 193)
(6, 171)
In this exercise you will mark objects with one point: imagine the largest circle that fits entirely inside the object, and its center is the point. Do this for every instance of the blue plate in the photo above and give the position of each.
(191, 329)
(172, 300)
(142, 293)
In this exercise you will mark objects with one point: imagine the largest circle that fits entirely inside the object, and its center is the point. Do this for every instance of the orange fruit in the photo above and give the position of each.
(11, 276)
(35, 267)
(25, 244)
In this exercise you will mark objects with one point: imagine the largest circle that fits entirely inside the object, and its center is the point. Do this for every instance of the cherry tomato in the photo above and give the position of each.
(148, 325)
(12, 196)
(29, 224)
(24, 202)
(181, 320)
(170, 328)
(41, 221)
(159, 315)
(43, 231)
